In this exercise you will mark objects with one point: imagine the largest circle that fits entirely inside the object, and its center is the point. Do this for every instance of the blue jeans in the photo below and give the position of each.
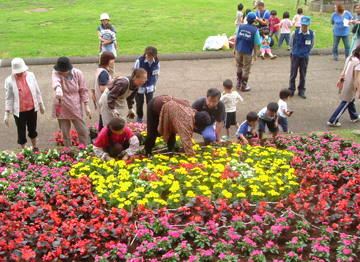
(346, 41)
(269, 124)
(208, 134)
(283, 122)
(350, 106)
(286, 37)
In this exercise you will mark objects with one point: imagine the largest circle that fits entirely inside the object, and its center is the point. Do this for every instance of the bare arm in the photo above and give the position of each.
(219, 126)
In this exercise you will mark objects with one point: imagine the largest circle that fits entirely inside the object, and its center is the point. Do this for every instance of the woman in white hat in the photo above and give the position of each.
(104, 18)
(23, 99)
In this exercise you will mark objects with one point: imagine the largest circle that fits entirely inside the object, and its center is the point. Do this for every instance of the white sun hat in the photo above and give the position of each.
(104, 16)
(18, 66)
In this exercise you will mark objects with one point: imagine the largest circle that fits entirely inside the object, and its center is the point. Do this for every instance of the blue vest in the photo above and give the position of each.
(300, 49)
(245, 38)
(149, 84)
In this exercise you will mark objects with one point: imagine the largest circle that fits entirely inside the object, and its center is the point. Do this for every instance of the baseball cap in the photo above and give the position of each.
(251, 16)
(305, 20)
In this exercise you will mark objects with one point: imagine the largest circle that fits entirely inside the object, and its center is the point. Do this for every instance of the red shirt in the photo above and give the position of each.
(25, 97)
(103, 140)
(274, 22)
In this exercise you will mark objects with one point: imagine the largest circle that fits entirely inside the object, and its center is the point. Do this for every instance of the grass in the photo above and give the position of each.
(46, 28)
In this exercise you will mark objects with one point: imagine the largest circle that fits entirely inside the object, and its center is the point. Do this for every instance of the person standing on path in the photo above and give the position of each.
(355, 21)
(340, 19)
(150, 62)
(302, 41)
(70, 91)
(23, 99)
(348, 84)
(246, 41)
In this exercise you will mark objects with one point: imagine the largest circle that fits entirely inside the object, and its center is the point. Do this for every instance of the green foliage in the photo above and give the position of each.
(45, 28)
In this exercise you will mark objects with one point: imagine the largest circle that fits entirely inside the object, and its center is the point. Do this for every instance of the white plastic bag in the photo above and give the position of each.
(215, 42)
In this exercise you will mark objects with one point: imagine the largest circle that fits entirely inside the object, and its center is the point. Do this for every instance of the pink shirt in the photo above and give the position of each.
(273, 22)
(25, 97)
(286, 24)
(75, 92)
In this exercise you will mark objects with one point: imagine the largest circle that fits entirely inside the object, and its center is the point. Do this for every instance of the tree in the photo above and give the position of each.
(321, 6)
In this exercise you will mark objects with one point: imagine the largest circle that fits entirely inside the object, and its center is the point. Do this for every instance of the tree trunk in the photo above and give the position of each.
(351, 6)
(321, 6)
(297, 5)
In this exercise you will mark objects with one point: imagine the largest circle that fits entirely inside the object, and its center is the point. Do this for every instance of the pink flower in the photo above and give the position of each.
(291, 254)
(222, 255)
(347, 251)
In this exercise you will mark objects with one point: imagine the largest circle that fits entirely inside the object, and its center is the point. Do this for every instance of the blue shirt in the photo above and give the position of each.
(244, 128)
(338, 21)
(247, 37)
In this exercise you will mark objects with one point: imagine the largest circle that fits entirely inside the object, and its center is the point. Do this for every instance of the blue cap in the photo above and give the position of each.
(305, 20)
(251, 16)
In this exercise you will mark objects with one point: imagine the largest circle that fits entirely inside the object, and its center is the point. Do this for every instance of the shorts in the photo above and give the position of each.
(230, 119)
(270, 125)
(266, 51)
(276, 33)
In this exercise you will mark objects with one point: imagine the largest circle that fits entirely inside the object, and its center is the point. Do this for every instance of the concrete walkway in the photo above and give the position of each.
(189, 79)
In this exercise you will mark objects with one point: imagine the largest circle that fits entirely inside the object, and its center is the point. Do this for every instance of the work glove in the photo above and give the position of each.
(115, 113)
(6, 118)
(42, 108)
(87, 110)
(131, 114)
(59, 93)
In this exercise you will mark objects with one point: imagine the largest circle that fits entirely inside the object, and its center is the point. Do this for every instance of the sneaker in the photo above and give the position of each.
(302, 95)
(36, 149)
(274, 56)
(139, 120)
(225, 137)
(288, 48)
(279, 46)
(248, 88)
(336, 58)
(334, 125)
(355, 120)
(262, 56)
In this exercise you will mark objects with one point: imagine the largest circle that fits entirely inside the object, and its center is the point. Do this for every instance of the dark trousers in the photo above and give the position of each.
(152, 132)
(29, 119)
(117, 148)
(301, 64)
(350, 106)
(140, 102)
(101, 125)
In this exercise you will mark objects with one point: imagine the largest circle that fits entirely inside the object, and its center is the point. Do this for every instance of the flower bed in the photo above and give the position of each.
(296, 202)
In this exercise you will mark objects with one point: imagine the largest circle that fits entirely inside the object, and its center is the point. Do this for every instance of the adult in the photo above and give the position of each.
(104, 18)
(302, 41)
(70, 92)
(150, 62)
(23, 99)
(348, 82)
(102, 79)
(262, 16)
(169, 116)
(355, 21)
(118, 99)
(212, 104)
(246, 42)
(340, 19)
(114, 138)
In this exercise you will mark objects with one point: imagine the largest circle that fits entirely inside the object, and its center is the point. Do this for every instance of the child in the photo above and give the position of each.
(285, 25)
(245, 19)
(230, 99)
(239, 17)
(269, 116)
(108, 34)
(265, 45)
(274, 22)
(104, 18)
(297, 18)
(247, 130)
(114, 138)
(150, 62)
(283, 110)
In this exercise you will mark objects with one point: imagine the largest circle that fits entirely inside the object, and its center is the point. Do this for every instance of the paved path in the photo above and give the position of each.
(189, 79)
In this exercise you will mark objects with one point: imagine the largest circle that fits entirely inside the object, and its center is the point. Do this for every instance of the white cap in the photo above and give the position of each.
(18, 66)
(104, 16)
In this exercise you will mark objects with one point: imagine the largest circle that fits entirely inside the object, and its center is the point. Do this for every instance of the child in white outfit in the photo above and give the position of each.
(283, 110)
(230, 99)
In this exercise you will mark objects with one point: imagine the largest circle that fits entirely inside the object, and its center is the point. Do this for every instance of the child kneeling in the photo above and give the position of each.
(114, 138)
(269, 116)
(247, 129)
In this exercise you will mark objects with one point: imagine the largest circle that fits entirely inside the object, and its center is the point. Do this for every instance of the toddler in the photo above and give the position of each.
(247, 129)
(274, 22)
(269, 116)
(230, 99)
(283, 110)
(265, 45)
(246, 13)
(297, 18)
(239, 16)
(285, 25)
(108, 34)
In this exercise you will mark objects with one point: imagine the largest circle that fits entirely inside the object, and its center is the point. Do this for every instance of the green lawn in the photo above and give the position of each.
(68, 27)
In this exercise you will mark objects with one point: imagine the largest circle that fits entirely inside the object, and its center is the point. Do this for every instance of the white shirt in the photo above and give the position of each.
(282, 106)
(230, 101)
